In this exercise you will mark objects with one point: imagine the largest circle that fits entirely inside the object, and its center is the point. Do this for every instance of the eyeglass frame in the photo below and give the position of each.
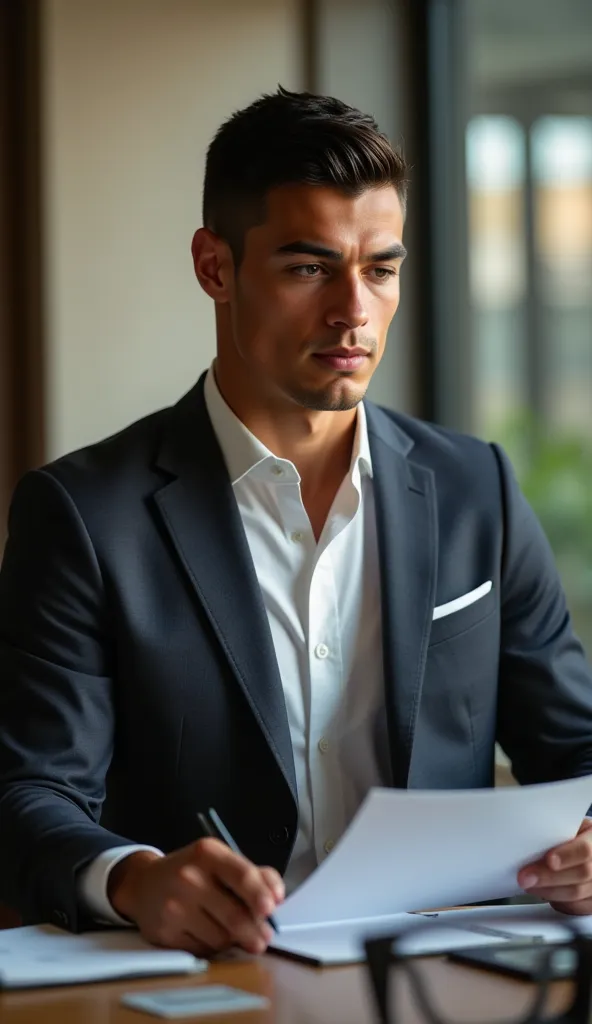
(383, 952)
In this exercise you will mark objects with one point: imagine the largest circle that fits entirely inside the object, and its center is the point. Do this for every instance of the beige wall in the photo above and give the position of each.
(134, 90)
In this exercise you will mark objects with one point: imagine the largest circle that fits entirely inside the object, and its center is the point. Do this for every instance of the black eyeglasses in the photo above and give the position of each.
(399, 978)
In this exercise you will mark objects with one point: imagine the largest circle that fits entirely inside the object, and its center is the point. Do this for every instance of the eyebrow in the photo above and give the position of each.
(397, 251)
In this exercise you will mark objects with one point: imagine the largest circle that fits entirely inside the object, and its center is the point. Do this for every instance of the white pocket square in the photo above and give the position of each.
(463, 602)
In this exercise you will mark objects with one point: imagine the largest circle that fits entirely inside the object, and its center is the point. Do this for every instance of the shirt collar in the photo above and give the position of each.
(245, 454)
(361, 456)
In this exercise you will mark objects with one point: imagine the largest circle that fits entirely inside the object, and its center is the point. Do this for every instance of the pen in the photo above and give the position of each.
(212, 825)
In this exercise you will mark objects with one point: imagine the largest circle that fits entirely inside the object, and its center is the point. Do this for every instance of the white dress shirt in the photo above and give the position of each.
(323, 605)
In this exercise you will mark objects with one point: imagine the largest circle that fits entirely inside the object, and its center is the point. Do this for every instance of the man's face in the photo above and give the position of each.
(314, 295)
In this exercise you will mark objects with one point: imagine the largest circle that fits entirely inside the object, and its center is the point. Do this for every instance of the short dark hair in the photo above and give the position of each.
(292, 138)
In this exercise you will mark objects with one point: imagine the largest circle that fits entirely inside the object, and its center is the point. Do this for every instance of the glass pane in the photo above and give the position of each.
(562, 172)
(529, 174)
(497, 265)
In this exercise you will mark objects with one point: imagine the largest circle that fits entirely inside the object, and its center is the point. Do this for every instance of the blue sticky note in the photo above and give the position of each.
(194, 1002)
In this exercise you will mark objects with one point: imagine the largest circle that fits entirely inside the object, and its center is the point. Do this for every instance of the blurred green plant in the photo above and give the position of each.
(555, 473)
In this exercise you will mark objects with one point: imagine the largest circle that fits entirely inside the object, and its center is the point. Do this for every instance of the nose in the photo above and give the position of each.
(348, 308)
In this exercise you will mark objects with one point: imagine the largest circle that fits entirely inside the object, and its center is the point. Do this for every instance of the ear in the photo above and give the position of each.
(213, 264)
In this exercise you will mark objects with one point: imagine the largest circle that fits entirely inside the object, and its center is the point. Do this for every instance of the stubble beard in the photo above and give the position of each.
(334, 398)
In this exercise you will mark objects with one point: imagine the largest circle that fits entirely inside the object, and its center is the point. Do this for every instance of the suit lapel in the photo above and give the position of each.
(199, 512)
(406, 521)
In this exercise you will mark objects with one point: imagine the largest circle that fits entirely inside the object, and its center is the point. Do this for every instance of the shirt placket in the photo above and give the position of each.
(326, 680)
(299, 536)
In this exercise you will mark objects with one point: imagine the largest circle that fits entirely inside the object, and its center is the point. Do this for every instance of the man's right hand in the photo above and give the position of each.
(202, 898)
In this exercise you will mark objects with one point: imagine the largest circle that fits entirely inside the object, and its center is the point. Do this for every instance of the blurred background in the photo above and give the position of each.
(106, 110)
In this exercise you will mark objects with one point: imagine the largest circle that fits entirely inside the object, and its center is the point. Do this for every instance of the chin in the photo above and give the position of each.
(339, 396)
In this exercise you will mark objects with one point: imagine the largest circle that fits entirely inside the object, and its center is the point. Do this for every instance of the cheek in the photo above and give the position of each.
(269, 309)
(392, 300)
(255, 318)
(383, 311)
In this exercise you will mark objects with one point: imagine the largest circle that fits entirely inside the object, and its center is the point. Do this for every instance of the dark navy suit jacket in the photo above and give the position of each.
(138, 680)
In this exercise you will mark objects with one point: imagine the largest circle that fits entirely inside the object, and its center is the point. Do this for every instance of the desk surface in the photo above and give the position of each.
(298, 995)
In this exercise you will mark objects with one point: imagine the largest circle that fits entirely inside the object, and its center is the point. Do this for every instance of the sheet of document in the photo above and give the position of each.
(329, 945)
(44, 955)
(417, 849)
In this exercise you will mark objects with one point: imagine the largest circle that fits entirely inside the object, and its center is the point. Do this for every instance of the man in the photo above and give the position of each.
(244, 601)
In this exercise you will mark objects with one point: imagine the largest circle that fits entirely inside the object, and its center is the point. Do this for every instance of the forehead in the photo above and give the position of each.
(371, 220)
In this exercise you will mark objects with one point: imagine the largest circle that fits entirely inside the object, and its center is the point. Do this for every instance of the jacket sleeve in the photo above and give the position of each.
(56, 704)
(545, 683)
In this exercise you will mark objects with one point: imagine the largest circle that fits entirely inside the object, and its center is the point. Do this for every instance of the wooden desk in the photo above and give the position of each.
(298, 995)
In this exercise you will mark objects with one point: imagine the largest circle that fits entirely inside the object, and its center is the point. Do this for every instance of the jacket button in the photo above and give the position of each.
(60, 918)
(279, 836)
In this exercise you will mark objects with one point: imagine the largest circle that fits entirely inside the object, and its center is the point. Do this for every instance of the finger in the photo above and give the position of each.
(576, 851)
(200, 891)
(207, 935)
(194, 946)
(574, 854)
(578, 875)
(275, 882)
(583, 907)
(252, 933)
(245, 880)
(567, 893)
(196, 932)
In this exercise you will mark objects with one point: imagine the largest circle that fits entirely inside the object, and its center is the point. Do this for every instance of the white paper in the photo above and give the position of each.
(331, 944)
(44, 955)
(416, 849)
(461, 929)
(343, 943)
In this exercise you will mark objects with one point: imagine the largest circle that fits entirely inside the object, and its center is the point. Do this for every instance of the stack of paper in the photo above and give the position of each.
(409, 850)
(44, 955)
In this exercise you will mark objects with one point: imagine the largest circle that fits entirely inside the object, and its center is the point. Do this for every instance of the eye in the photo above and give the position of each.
(384, 273)
(307, 270)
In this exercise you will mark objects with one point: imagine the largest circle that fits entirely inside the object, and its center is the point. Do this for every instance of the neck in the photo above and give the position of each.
(318, 443)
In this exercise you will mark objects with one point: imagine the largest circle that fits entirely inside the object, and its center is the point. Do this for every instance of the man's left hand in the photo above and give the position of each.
(564, 875)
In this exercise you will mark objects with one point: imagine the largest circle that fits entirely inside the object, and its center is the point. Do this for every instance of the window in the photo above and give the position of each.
(528, 149)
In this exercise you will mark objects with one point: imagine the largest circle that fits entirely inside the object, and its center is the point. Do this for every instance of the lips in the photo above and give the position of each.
(344, 359)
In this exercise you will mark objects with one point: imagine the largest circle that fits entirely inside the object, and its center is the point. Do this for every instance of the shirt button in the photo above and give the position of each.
(329, 846)
(321, 651)
(277, 470)
(297, 536)
(323, 744)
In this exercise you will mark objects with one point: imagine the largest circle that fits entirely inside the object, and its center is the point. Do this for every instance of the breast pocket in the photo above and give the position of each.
(456, 723)
(459, 622)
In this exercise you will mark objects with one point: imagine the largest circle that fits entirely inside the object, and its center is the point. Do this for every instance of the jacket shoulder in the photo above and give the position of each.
(114, 466)
(430, 440)
(464, 467)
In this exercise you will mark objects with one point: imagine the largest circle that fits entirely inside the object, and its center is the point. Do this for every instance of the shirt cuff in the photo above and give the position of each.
(93, 879)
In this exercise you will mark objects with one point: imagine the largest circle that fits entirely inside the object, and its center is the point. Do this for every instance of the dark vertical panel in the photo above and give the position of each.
(435, 142)
(21, 321)
(413, 21)
(6, 367)
(536, 354)
(310, 44)
(21, 343)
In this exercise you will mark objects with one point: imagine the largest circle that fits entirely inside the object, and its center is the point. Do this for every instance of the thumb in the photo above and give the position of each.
(275, 882)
